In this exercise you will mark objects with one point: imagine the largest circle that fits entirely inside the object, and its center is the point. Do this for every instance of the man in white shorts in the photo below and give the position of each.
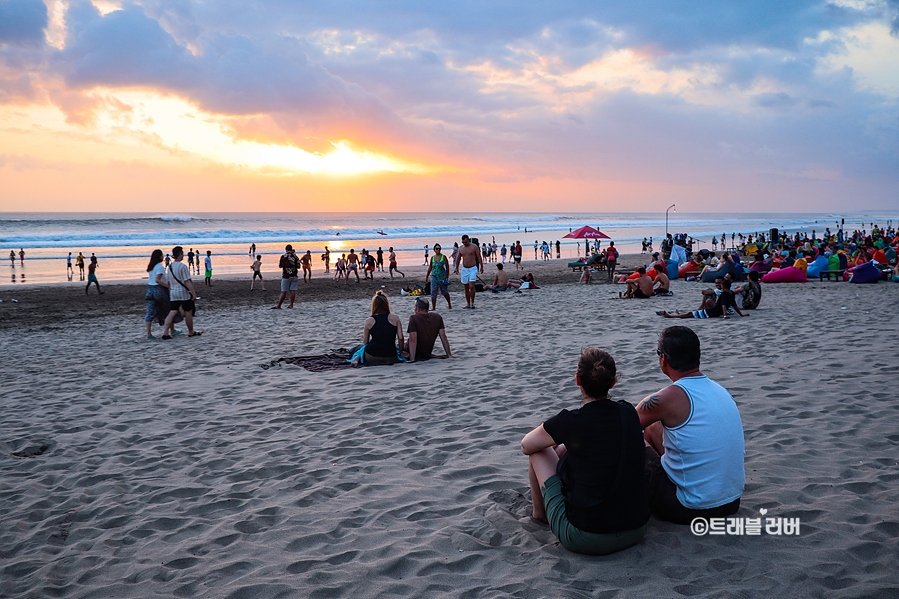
(472, 263)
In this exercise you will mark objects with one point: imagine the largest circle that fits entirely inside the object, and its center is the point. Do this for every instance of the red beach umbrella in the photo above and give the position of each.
(587, 232)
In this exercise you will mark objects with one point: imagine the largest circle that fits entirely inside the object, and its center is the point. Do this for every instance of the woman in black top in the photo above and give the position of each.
(586, 466)
(382, 331)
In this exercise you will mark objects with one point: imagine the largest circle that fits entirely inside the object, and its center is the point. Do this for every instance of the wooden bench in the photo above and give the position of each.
(837, 275)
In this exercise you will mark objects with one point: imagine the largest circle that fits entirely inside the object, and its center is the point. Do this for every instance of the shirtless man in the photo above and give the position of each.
(500, 279)
(470, 256)
(391, 259)
(663, 283)
(306, 261)
(352, 262)
(641, 287)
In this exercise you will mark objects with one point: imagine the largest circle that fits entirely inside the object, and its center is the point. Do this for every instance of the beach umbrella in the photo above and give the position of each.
(587, 232)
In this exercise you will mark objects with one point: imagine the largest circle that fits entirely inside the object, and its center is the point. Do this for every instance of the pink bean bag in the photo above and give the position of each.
(790, 274)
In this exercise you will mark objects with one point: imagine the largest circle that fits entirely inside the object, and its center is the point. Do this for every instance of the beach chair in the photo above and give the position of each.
(595, 261)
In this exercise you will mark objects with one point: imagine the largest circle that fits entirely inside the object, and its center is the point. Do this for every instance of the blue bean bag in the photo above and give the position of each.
(865, 273)
(790, 274)
(815, 268)
(671, 266)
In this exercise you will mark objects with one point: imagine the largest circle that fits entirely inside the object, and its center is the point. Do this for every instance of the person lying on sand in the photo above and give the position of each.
(694, 437)
(725, 301)
(586, 466)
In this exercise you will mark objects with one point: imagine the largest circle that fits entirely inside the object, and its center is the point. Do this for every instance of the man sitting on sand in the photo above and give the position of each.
(500, 279)
(640, 287)
(694, 438)
(424, 328)
(663, 283)
(750, 293)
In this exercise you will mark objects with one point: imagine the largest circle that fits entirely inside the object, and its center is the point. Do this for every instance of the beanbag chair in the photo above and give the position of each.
(833, 263)
(760, 266)
(684, 269)
(865, 273)
(815, 268)
(671, 265)
(880, 256)
(891, 255)
(790, 274)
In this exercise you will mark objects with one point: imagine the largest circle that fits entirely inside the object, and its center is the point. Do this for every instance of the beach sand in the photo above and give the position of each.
(134, 468)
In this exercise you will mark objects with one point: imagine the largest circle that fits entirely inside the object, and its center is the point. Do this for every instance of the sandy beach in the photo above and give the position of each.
(134, 468)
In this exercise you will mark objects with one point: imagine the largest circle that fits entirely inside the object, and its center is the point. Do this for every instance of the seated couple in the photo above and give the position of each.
(501, 281)
(382, 334)
(644, 287)
(598, 471)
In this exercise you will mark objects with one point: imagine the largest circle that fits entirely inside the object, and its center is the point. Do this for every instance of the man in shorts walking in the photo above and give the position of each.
(181, 294)
(290, 269)
(472, 263)
(391, 259)
(306, 260)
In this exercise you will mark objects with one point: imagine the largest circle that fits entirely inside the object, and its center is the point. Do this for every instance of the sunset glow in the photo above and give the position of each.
(586, 107)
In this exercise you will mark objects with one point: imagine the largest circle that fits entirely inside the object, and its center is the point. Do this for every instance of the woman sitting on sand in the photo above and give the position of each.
(383, 329)
(586, 466)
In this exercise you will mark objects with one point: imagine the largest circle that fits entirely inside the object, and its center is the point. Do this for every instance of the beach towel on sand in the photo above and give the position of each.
(334, 361)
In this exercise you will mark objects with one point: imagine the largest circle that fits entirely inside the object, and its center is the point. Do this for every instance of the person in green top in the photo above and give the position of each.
(438, 271)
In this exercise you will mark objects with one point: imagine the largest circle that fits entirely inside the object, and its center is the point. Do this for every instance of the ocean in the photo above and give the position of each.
(123, 241)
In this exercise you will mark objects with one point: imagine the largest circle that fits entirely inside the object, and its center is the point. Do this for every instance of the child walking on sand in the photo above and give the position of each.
(257, 272)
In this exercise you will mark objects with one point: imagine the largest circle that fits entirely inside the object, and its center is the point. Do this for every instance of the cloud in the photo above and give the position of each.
(22, 22)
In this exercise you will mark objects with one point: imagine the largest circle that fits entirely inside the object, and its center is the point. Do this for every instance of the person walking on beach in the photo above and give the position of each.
(558, 249)
(208, 263)
(438, 272)
(694, 437)
(586, 467)
(306, 261)
(12, 258)
(290, 267)
(426, 255)
(252, 249)
(326, 257)
(21, 257)
(472, 263)
(80, 261)
(69, 269)
(257, 273)
(157, 296)
(516, 255)
(190, 260)
(611, 260)
(168, 260)
(380, 260)
(181, 295)
(391, 263)
(92, 276)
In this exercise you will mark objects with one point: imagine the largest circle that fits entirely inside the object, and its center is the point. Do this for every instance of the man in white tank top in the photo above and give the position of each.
(694, 438)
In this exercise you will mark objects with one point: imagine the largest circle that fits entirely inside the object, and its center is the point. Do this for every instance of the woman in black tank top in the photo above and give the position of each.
(383, 329)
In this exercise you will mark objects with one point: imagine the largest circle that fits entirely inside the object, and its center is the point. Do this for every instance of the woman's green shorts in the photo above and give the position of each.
(575, 539)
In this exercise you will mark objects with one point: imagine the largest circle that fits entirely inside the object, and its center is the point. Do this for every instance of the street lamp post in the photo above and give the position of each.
(666, 218)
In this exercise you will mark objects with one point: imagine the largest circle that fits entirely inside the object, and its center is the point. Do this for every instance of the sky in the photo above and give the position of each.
(401, 105)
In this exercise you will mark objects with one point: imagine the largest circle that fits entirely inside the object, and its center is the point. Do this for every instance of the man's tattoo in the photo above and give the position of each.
(649, 404)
